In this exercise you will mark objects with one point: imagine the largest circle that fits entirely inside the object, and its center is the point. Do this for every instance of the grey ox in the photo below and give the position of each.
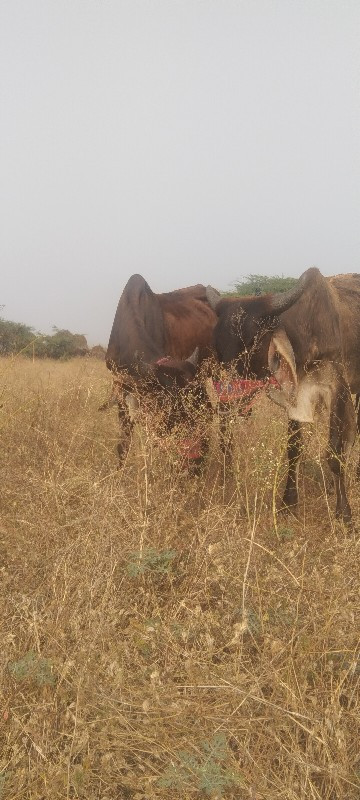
(309, 339)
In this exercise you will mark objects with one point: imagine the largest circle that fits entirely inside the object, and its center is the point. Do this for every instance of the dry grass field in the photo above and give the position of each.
(163, 636)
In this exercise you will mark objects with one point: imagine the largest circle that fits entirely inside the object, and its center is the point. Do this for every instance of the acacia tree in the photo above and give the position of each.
(62, 344)
(262, 284)
(15, 337)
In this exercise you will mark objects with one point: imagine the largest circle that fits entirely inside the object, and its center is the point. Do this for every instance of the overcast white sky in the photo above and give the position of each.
(188, 140)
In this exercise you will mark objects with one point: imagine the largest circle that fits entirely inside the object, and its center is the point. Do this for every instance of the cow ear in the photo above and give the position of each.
(281, 361)
(194, 358)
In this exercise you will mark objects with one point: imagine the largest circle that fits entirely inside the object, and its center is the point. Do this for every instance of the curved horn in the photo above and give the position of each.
(282, 301)
(194, 358)
(213, 297)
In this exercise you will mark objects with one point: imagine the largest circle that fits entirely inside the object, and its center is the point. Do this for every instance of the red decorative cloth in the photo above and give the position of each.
(242, 389)
(231, 391)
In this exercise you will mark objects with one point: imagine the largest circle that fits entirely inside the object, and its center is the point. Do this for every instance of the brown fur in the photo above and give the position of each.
(149, 326)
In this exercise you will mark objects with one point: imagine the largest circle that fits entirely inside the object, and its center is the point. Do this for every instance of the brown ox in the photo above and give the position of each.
(155, 344)
(309, 339)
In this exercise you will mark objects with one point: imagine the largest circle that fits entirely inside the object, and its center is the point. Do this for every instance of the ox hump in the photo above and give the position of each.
(137, 285)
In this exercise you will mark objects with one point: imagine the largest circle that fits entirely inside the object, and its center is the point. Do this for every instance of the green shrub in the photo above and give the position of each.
(206, 773)
(32, 667)
(150, 560)
(262, 284)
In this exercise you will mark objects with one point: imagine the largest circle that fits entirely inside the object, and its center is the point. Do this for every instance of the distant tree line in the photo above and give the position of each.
(17, 338)
(262, 284)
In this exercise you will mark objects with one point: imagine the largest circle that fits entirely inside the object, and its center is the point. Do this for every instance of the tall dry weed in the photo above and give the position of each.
(167, 636)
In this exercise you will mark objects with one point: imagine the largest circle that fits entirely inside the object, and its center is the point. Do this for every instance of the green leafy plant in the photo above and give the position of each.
(206, 773)
(285, 533)
(32, 667)
(150, 560)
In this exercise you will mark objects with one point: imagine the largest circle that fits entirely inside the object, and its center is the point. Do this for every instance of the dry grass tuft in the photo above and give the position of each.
(162, 636)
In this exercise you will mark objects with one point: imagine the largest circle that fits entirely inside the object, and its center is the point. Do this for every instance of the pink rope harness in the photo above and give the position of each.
(164, 360)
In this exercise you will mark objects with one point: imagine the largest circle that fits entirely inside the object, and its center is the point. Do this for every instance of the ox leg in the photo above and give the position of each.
(342, 435)
(294, 450)
(126, 429)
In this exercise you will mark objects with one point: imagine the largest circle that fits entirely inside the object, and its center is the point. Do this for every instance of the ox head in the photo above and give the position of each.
(171, 373)
(250, 334)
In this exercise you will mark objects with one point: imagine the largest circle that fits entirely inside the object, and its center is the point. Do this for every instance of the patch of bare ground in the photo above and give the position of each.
(166, 636)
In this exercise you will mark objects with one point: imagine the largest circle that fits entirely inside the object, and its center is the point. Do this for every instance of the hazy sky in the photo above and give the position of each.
(188, 140)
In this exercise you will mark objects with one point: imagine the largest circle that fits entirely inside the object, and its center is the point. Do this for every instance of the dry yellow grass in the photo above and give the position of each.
(161, 637)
